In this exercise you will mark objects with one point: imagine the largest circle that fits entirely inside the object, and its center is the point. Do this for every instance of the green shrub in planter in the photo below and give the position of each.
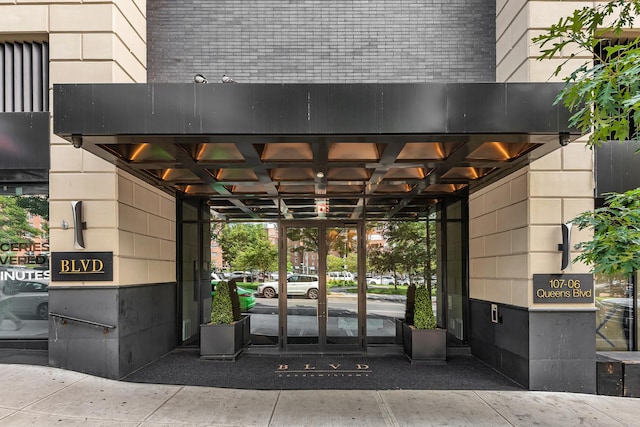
(225, 301)
(222, 307)
(423, 317)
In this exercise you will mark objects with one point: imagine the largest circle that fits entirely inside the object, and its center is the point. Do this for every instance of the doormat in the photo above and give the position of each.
(317, 372)
(323, 370)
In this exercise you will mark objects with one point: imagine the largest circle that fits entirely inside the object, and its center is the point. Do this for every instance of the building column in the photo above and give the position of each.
(515, 229)
(128, 319)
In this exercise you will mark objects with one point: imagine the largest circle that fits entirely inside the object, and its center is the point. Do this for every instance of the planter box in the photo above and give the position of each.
(399, 331)
(425, 345)
(223, 342)
(246, 330)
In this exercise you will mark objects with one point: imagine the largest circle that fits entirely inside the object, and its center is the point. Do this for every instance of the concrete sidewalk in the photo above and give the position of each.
(44, 396)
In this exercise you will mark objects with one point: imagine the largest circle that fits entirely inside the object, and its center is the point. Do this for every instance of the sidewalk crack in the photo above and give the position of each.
(387, 413)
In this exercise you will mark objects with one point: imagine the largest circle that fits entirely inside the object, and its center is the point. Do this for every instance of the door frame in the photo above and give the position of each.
(322, 310)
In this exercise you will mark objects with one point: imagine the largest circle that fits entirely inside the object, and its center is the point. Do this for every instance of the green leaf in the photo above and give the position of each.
(602, 95)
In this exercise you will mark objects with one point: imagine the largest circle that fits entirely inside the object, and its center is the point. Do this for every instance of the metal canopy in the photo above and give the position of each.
(303, 151)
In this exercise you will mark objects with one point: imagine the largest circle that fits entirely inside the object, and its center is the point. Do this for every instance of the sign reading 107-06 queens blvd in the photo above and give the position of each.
(82, 266)
(562, 288)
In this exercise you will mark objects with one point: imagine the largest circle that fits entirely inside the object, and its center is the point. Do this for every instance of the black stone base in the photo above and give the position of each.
(542, 350)
(144, 320)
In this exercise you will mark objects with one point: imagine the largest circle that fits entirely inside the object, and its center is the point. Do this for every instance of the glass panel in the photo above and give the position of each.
(440, 267)
(396, 257)
(342, 303)
(24, 266)
(455, 280)
(248, 254)
(303, 285)
(614, 318)
(189, 277)
(454, 211)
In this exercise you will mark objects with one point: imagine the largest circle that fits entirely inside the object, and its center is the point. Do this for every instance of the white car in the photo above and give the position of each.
(297, 284)
(341, 275)
(27, 298)
(381, 280)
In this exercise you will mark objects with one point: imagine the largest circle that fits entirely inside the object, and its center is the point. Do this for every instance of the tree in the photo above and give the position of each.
(14, 223)
(261, 256)
(604, 96)
(604, 93)
(35, 205)
(405, 251)
(334, 263)
(236, 239)
(307, 237)
(616, 235)
(342, 240)
(383, 260)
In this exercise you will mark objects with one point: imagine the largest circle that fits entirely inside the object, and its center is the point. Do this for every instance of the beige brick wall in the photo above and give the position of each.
(514, 227)
(517, 23)
(528, 206)
(93, 41)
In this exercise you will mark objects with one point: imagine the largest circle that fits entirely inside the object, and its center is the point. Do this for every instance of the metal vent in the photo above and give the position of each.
(24, 77)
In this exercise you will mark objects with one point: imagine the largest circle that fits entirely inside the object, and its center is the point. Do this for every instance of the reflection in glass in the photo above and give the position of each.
(302, 285)
(455, 280)
(342, 305)
(614, 318)
(24, 266)
(398, 254)
(189, 251)
(248, 254)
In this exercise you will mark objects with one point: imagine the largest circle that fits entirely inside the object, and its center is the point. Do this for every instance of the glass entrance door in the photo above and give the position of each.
(322, 298)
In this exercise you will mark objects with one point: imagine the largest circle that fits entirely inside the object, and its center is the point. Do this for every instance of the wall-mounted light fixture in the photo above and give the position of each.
(565, 246)
(78, 224)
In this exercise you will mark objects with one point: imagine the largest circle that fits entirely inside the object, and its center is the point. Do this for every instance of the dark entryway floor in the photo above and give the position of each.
(304, 372)
(308, 372)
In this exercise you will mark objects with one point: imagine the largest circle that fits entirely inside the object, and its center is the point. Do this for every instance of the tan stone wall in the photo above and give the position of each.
(514, 227)
(146, 233)
(515, 223)
(517, 23)
(498, 241)
(99, 42)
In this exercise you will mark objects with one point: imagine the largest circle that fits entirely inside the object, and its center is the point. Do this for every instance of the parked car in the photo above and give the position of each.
(341, 275)
(240, 276)
(381, 280)
(28, 298)
(246, 297)
(297, 284)
(215, 278)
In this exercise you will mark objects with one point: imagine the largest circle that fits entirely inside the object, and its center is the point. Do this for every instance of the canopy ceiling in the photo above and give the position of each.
(303, 151)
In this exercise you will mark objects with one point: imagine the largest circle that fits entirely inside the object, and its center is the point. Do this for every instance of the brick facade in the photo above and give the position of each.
(321, 41)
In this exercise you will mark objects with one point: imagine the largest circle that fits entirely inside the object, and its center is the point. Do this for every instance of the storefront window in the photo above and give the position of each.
(615, 315)
(24, 266)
